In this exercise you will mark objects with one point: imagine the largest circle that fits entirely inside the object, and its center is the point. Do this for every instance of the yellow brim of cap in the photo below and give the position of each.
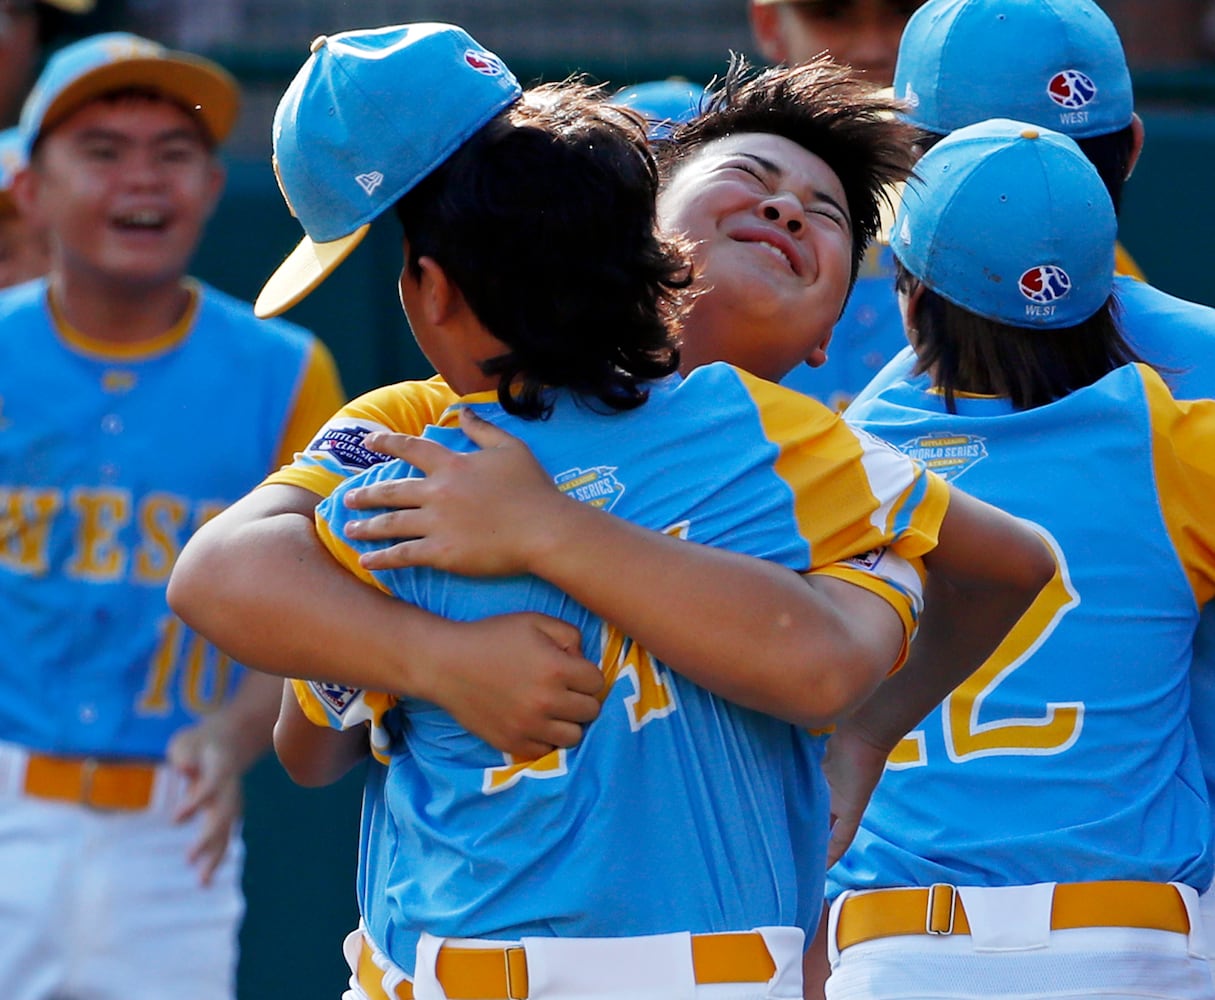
(72, 6)
(195, 83)
(305, 267)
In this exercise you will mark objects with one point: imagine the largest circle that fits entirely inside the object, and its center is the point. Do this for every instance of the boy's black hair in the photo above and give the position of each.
(966, 353)
(545, 222)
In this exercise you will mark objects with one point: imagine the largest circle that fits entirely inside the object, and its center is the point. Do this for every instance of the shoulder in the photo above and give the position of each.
(219, 310)
(23, 301)
(1141, 303)
(404, 407)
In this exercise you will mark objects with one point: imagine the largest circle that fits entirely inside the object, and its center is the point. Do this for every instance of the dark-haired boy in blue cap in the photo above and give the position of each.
(1063, 853)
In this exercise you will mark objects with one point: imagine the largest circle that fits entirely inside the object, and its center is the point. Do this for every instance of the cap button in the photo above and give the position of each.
(318, 43)
(1029, 133)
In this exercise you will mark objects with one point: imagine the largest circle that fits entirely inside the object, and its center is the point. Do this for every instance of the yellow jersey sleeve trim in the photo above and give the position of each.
(852, 492)
(892, 595)
(1183, 457)
(923, 534)
(310, 704)
(406, 407)
(316, 480)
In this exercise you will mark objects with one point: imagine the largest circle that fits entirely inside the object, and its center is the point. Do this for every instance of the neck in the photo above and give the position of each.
(103, 312)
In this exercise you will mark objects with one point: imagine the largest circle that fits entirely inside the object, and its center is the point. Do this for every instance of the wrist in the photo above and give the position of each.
(554, 531)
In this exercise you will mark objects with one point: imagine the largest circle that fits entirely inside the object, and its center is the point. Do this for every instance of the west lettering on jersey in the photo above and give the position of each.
(114, 536)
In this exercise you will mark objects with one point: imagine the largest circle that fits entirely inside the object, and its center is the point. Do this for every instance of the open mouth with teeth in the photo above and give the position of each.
(145, 220)
(778, 253)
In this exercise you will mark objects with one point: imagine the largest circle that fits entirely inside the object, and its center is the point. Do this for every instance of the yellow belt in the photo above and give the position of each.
(938, 910)
(501, 973)
(101, 784)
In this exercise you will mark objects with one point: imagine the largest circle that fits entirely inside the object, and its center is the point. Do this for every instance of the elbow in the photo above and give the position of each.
(854, 680)
(855, 641)
(195, 583)
(847, 673)
(1037, 566)
(1044, 566)
(184, 592)
(303, 767)
(314, 757)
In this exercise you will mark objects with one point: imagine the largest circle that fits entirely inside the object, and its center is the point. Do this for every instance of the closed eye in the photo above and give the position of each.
(746, 168)
(828, 212)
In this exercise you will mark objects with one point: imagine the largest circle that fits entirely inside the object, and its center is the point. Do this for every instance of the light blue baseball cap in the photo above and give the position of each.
(1012, 222)
(368, 117)
(116, 60)
(12, 160)
(1058, 64)
(665, 103)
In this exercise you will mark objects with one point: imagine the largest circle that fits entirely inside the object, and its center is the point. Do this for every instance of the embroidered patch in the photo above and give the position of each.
(948, 455)
(343, 441)
(867, 560)
(597, 486)
(336, 696)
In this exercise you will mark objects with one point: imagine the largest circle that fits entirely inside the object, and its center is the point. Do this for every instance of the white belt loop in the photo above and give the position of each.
(833, 924)
(1196, 940)
(786, 945)
(13, 758)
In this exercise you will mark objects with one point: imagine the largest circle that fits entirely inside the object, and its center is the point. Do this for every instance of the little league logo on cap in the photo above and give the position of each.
(1010, 222)
(367, 118)
(1058, 64)
(103, 64)
(1071, 89)
(1045, 284)
(485, 62)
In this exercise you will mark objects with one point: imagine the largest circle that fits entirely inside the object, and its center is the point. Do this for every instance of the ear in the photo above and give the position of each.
(818, 357)
(216, 177)
(440, 298)
(25, 193)
(1137, 131)
(765, 28)
(909, 306)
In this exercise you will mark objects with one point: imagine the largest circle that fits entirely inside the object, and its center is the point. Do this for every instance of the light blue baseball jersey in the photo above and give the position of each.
(868, 335)
(1068, 756)
(678, 811)
(109, 460)
(1178, 337)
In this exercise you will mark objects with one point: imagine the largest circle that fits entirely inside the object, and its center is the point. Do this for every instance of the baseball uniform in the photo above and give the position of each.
(1068, 757)
(636, 831)
(110, 458)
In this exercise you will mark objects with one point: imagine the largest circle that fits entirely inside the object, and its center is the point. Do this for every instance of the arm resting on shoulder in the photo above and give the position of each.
(803, 649)
(985, 572)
